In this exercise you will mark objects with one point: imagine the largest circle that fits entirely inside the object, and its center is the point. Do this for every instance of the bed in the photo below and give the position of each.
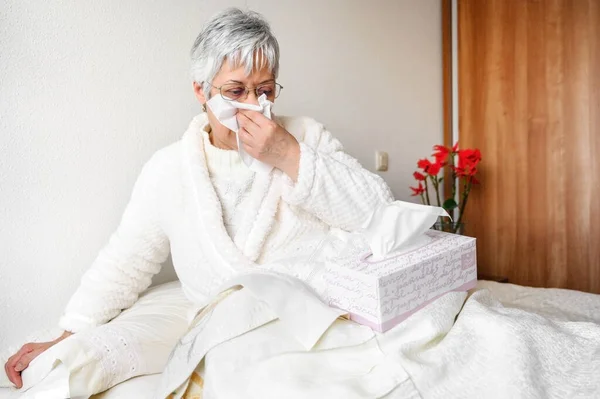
(571, 313)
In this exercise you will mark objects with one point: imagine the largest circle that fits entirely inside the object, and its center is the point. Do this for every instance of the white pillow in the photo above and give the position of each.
(137, 342)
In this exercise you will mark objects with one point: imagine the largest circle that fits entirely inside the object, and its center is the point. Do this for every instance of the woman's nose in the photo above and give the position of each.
(250, 98)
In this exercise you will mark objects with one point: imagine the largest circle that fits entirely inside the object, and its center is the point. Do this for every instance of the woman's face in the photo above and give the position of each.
(233, 81)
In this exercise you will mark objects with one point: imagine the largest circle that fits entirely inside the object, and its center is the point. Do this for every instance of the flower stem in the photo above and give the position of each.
(463, 203)
(427, 191)
(437, 190)
(452, 163)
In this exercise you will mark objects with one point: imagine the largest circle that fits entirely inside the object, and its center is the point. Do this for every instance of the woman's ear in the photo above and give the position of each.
(199, 92)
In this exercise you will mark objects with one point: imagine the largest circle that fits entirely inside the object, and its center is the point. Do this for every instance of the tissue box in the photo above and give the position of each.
(380, 294)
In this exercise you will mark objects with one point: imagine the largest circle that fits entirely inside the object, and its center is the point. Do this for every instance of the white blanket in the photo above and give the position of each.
(496, 351)
(453, 348)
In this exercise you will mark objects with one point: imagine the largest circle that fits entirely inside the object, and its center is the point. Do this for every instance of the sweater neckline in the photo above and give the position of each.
(221, 162)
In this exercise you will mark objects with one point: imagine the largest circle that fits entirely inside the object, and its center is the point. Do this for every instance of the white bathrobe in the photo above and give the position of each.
(174, 208)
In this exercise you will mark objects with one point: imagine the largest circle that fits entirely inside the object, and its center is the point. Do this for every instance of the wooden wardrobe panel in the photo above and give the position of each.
(529, 98)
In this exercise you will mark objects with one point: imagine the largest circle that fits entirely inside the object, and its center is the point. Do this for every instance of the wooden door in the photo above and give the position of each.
(529, 98)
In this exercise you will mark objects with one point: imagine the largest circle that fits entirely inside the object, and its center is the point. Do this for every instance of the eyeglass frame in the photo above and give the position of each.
(247, 90)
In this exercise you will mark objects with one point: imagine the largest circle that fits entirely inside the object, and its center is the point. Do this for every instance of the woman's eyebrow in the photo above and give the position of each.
(242, 83)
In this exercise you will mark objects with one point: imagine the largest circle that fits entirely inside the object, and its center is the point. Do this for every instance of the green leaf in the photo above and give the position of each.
(450, 204)
(440, 179)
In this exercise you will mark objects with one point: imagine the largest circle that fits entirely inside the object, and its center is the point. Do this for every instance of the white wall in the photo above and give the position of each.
(89, 90)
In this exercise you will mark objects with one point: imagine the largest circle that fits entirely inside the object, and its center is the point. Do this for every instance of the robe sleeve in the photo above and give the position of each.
(125, 266)
(331, 184)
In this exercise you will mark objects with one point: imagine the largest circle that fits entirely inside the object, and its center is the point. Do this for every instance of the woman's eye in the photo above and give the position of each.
(234, 92)
(267, 91)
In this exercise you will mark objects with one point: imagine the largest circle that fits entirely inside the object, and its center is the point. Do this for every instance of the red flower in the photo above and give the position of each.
(441, 153)
(418, 191)
(455, 148)
(423, 164)
(428, 167)
(474, 180)
(467, 162)
(470, 157)
(465, 172)
(434, 169)
(419, 176)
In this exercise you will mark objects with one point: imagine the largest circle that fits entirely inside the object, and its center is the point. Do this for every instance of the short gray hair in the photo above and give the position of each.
(241, 37)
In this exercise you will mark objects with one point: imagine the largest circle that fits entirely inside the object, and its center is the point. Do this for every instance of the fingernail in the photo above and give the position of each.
(19, 366)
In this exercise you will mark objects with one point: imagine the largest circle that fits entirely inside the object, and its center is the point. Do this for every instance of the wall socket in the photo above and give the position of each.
(381, 161)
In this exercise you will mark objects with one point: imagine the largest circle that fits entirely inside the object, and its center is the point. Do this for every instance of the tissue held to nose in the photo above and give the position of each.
(397, 225)
(225, 112)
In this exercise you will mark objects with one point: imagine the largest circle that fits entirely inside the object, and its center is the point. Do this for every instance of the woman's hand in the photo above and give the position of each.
(20, 360)
(268, 142)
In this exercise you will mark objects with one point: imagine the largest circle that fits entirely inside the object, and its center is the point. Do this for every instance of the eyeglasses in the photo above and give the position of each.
(237, 91)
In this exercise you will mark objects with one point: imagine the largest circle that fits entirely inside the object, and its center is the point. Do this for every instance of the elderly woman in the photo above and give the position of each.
(197, 199)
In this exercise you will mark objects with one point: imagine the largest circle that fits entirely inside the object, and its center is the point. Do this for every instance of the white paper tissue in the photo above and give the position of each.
(225, 111)
(398, 226)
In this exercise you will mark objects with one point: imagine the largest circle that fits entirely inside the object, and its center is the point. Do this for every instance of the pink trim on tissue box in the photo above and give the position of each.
(382, 327)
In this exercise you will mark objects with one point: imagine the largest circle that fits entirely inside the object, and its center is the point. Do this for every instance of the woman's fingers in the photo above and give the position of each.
(10, 371)
(256, 131)
(251, 117)
(246, 141)
(24, 361)
(249, 125)
(246, 137)
(20, 361)
(13, 375)
(15, 378)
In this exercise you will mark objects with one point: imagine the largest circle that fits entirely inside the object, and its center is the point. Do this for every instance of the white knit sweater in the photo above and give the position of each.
(175, 208)
(232, 181)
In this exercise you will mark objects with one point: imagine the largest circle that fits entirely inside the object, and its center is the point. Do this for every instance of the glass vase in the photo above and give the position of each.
(449, 227)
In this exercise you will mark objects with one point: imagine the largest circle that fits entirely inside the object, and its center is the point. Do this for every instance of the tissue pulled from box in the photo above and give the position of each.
(398, 225)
